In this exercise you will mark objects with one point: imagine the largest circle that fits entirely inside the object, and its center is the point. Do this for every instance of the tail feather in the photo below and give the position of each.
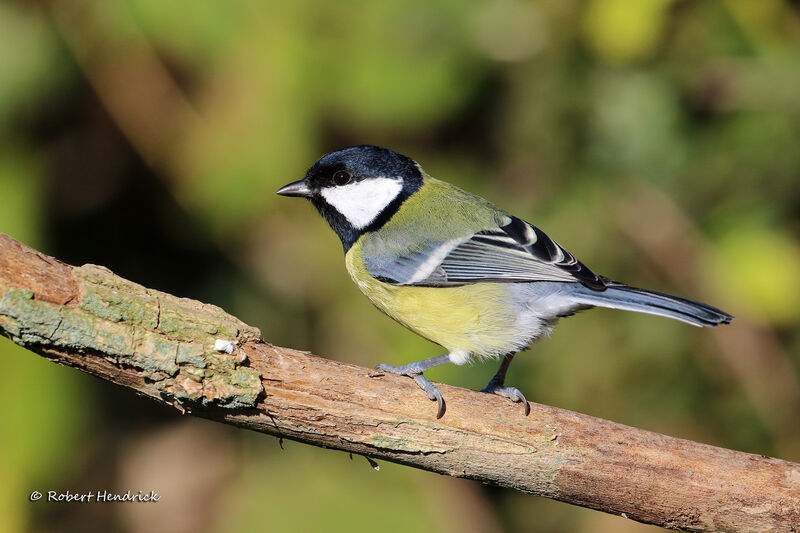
(654, 303)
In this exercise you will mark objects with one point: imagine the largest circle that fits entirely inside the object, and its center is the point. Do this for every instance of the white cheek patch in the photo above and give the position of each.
(361, 202)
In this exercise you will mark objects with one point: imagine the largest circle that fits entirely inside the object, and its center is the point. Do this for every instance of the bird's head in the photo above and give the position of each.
(358, 188)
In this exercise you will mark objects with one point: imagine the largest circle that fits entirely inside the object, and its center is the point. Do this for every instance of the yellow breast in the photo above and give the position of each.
(477, 318)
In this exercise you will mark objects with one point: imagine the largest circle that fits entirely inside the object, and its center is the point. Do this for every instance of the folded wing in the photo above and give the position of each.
(513, 252)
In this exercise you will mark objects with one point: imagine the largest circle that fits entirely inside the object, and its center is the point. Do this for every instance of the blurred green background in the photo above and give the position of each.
(658, 140)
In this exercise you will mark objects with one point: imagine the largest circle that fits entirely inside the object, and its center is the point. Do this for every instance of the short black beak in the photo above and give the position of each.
(295, 188)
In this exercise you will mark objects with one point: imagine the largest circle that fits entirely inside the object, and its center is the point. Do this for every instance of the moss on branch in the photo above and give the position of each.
(164, 347)
(169, 339)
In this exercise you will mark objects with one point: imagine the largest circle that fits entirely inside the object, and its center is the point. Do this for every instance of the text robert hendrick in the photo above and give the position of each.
(98, 496)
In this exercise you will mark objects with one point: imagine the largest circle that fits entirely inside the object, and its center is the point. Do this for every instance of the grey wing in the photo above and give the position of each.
(514, 252)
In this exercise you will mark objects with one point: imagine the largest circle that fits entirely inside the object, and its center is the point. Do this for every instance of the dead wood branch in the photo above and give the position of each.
(164, 347)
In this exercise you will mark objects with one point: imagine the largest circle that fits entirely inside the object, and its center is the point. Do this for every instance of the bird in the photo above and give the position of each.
(458, 270)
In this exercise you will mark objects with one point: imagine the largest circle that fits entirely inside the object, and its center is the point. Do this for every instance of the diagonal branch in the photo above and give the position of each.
(164, 347)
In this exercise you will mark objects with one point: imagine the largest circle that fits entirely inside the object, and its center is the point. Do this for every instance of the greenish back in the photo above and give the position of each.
(438, 212)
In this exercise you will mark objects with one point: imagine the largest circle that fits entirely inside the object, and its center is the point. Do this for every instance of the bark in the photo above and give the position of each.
(164, 347)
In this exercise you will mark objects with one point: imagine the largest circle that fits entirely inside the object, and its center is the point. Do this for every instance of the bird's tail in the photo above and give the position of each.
(654, 303)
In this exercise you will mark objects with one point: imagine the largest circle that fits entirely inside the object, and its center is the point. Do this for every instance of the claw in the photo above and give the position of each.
(416, 374)
(512, 393)
(385, 368)
(433, 393)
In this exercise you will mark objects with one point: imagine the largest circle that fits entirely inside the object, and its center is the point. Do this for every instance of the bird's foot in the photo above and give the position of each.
(512, 393)
(413, 371)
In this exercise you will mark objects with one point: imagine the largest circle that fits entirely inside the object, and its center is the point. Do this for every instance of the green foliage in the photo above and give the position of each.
(740, 272)
(42, 434)
(574, 115)
(20, 181)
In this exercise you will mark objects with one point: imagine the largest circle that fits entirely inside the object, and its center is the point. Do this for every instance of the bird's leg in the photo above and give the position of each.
(495, 385)
(415, 370)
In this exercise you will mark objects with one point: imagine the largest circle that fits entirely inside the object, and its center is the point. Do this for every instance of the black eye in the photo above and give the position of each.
(342, 177)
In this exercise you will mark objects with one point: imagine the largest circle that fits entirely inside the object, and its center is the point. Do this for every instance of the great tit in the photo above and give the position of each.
(457, 270)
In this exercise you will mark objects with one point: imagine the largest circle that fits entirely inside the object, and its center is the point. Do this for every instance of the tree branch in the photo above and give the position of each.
(164, 347)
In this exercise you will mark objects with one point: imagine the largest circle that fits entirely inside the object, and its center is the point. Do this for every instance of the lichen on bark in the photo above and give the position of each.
(169, 339)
